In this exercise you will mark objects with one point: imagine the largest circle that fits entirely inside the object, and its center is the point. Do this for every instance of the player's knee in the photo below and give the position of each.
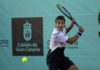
(73, 67)
(76, 69)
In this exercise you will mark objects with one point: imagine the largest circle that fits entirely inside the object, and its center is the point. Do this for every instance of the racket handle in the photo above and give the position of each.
(74, 22)
(77, 25)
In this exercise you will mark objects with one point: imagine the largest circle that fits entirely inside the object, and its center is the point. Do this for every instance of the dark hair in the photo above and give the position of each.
(60, 17)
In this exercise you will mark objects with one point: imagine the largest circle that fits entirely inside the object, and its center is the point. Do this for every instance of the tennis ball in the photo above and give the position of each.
(24, 59)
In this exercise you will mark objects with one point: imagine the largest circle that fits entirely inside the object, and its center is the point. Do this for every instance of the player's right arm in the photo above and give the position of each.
(73, 39)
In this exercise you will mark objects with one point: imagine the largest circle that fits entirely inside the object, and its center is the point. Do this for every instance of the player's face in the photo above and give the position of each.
(60, 24)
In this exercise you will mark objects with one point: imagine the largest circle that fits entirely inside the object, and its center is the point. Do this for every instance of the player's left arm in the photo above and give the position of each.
(70, 27)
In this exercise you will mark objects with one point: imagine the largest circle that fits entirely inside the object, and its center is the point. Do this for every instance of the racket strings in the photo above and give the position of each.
(65, 12)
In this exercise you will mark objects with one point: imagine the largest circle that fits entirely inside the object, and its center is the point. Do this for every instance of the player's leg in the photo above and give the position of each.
(52, 66)
(51, 62)
(73, 67)
(67, 64)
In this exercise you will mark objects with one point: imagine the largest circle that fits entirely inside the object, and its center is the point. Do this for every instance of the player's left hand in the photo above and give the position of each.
(73, 21)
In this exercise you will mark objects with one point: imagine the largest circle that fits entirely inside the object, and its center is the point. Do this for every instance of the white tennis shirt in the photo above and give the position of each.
(58, 39)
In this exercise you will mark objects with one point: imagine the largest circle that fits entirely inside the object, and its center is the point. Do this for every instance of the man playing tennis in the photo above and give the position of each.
(56, 58)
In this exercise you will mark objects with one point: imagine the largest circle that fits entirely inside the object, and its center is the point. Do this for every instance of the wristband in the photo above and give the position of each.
(79, 34)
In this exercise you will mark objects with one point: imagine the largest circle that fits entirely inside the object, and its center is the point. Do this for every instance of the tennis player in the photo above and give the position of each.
(56, 60)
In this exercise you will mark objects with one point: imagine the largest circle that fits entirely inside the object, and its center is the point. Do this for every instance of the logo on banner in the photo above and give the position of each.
(68, 46)
(27, 36)
(27, 32)
(4, 43)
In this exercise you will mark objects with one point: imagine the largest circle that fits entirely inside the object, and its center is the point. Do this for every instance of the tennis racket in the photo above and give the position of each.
(66, 13)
